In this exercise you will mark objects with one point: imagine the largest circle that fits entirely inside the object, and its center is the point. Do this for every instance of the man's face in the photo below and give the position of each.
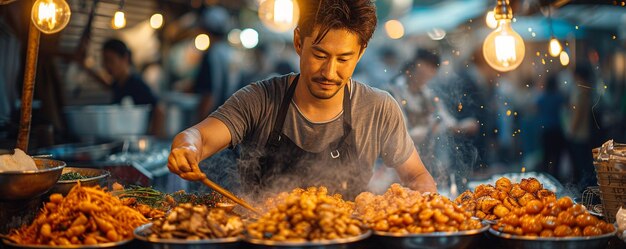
(113, 63)
(327, 66)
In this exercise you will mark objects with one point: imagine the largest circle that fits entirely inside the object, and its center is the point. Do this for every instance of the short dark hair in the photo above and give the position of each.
(116, 46)
(422, 55)
(355, 16)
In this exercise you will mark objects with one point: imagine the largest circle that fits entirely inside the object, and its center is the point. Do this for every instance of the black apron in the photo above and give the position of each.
(284, 166)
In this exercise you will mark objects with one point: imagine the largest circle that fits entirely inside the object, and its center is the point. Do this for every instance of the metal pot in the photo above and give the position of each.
(107, 121)
(22, 185)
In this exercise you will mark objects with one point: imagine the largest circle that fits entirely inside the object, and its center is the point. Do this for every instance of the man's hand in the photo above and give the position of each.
(183, 161)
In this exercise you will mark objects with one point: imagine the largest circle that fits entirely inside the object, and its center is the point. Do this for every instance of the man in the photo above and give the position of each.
(316, 128)
(116, 58)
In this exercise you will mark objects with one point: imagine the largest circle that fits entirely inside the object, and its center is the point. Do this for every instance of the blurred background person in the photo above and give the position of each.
(214, 81)
(581, 125)
(549, 106)
(127, 82)
(428, 121)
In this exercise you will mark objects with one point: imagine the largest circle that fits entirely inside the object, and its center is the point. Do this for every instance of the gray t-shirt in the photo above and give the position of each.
(376, 120)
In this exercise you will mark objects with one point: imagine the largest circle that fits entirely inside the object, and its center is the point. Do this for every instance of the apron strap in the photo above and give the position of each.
(274, 137)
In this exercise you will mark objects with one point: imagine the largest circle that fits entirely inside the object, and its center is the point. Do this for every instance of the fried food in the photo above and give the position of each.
(538, 218)
(404, 211)
(488, 202)
(504, 184)
(86, 216)
(307, 215)
(197, 222)
(531, 185)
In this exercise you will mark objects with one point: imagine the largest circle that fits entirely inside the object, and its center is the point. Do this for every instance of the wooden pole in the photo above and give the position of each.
(30, 71)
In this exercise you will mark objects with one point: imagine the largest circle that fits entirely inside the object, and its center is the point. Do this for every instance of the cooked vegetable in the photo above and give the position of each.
(71, 176)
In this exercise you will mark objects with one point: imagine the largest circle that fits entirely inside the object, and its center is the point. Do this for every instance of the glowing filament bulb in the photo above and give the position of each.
(555, 47)
(283, 11)
(119, 20)
(504, 49)
(50, 16)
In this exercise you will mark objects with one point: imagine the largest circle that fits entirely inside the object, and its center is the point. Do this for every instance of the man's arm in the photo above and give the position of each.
(195, 144)
(415, 176)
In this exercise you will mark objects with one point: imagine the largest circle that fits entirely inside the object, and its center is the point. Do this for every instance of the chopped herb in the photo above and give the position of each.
(71, 176)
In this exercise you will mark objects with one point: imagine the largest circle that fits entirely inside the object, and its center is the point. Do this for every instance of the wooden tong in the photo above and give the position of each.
(228, 194)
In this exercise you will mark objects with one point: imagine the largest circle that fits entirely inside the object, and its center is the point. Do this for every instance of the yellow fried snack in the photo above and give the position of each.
(490, 203)
(404, 211)
(552, 218)
(86, 216)
(307, 215)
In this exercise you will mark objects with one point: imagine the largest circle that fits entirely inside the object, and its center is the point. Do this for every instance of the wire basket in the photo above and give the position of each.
(610, 166)
(592, 200)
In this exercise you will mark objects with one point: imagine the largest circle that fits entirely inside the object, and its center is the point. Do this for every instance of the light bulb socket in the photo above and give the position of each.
(503, 10)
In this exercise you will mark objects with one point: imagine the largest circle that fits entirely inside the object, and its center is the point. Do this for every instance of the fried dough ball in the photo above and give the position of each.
(487, 203)
(500, 211)
(483, 190)
(526, 198)
(510, 203)
(407, 211)
(531, 185)
(463, 197)
(504, 184)
(546, 194)
(516, 191)
(537, 219)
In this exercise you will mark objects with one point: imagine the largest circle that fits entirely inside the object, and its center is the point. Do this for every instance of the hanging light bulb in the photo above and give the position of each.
(564, 58)
(50, 16)
(555, 47)
(490, 19)
(119, 20)
(202, 42)
(395, 29)
(156, 21)
(503, 49)
(279, 15)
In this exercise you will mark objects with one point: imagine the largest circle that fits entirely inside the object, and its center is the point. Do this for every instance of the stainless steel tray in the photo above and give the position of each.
(142, 232)
(325, 244)
(509, 241)
(437, 240)
(118, 244)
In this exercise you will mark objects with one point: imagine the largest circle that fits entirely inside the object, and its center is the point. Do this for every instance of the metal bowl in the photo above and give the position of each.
(509, 241)
(142, 232)
(94, 177)
(351, 242)
(437, 240)
(118, 244)
(22, 185)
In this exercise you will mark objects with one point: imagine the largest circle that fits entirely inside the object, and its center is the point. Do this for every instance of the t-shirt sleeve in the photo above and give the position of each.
(242, 111)
(395, 142)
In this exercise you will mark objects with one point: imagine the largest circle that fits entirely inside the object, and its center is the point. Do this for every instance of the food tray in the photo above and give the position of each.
(437, 240)
(509, 241)
(344, 243)
(142, 232)
(118, 244)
